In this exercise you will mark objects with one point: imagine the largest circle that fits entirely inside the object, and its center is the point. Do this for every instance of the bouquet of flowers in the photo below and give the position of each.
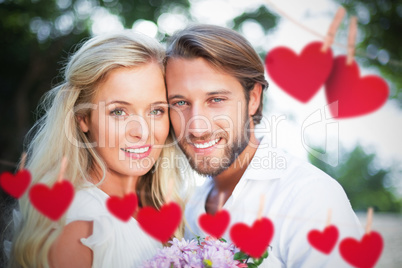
(210, 252)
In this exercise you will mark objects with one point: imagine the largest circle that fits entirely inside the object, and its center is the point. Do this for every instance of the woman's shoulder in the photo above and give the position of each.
(67, 250)
(88, 204)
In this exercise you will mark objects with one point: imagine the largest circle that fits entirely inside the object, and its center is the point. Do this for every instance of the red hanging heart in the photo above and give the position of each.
(356, 95)
(364, 253)
(160, 224)
(324, 241)
(52, 202)
(253, 240)
(122, 208)
(15, 185)
(215, 225)
(299, 76)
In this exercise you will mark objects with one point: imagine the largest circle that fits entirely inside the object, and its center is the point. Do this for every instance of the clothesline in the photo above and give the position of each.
(319, 35)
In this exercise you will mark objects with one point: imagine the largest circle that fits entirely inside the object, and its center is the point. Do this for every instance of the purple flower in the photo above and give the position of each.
(189, 254)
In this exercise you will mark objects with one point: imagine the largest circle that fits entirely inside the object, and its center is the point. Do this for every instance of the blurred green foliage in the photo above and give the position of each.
(37, 37)
(364, 182)
(380, 23)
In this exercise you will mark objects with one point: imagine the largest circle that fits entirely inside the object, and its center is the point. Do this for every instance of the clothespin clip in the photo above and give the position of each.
(62, 168)
(129, 185)
(23, 161)
(220, 203)
(169, 190)
(261, 208)
(329, 39)
(369, 220)
(329, 217)
(351, 40)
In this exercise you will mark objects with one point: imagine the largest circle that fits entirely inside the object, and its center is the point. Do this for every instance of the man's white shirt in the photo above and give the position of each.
(298, 197)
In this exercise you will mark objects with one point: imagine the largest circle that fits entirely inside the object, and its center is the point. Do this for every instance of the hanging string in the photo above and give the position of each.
(396, 63)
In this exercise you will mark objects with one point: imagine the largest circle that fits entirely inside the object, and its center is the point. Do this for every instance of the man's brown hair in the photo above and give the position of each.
(225, 50)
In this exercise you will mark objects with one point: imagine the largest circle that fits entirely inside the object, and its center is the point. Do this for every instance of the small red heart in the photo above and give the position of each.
(15, 185)
(300, 76)
(364, 253)
(122, 208)
(160, 224)
(253, 240)
(324, 241)
(215, 225)
(52, 202)
(356, 95)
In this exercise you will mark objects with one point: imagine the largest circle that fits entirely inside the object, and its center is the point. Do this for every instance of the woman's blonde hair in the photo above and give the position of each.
(57, 134)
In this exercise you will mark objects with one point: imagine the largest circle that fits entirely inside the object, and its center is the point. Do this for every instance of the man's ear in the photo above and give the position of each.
(255, 99)
(83, 122)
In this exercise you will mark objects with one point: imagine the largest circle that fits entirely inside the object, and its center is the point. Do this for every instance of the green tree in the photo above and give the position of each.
(380, 23)
(364, 182)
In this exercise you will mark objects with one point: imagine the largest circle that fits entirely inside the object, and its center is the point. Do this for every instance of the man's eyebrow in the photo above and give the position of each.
(219, 92)
(118, 101)
(177, 96)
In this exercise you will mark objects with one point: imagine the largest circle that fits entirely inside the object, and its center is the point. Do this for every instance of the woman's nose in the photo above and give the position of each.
(137, 129)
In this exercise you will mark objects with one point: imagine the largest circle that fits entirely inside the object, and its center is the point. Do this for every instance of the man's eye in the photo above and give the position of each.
(181, 103)
(217, 100)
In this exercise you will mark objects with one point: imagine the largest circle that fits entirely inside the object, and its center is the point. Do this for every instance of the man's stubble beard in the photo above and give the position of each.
(203, 165)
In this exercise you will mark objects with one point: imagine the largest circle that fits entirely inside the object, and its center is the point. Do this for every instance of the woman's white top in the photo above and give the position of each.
(114, 243)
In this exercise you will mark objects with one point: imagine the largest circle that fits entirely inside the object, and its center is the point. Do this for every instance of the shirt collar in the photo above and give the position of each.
(268, 162)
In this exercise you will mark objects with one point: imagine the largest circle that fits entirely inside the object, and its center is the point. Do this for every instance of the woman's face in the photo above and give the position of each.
(130, 123)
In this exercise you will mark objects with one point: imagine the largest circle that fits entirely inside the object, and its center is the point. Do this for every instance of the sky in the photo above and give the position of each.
(296, 126)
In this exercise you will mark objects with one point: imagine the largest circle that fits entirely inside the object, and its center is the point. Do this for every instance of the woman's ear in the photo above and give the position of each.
(255, 99)
(83, 122)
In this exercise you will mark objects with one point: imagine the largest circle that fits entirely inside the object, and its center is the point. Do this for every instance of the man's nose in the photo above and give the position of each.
(137, 129)
(199, 122)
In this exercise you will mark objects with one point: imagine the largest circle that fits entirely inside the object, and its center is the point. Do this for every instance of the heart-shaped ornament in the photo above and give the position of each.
(364, 253)
(52, 202)
(301, 76)
(122, 208)
(215, 225)
(324, 241)
(253, 240)
(356, 95)
(15, 185)
(160, 224)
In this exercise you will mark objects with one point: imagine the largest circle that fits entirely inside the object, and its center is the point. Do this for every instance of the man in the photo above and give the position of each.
(215, 82)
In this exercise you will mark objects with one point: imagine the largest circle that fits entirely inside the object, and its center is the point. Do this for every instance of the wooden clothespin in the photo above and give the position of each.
(169, 190)
(329, 39)
(369, 220)
(329, 217)
(23, 161)
(261, 208)
(220, 203)
(129, 185)
(351, 40)
(62, 168)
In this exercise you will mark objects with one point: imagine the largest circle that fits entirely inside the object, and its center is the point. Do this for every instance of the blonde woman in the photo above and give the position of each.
(110, 120)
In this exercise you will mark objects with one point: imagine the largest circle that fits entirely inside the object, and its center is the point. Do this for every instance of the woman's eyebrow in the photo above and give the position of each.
(159, 102)
(118, 101)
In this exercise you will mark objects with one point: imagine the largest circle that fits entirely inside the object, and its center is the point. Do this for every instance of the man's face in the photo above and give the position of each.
(209, 114)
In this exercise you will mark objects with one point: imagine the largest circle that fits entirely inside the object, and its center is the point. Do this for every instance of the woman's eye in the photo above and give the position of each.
(157, 112)
(118, 112)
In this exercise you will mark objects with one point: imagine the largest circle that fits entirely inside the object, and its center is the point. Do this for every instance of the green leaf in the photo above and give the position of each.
(240, 256)
(222, 240)
(265, 255)
(258, 261)
(252, 265)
